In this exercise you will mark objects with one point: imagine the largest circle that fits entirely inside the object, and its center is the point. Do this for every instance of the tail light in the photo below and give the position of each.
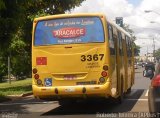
(39, 82)
(105, 67)
(102, 80)
(156, 81)
(36, 76)
(34, 71)
(104, 73)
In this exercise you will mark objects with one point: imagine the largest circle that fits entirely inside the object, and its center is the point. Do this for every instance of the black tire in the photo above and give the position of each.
(120, 99)
(128, 90)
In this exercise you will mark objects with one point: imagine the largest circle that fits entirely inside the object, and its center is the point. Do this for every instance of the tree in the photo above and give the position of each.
(16, 17)
(131, 32)
(157, 54)
(136, 49)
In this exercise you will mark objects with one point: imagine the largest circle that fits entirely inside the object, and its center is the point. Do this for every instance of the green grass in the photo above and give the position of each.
(16, 87)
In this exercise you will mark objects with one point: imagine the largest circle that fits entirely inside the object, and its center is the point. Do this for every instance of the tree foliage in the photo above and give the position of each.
(136, 49)
(16, 17)
(157, 54)
(131, 32)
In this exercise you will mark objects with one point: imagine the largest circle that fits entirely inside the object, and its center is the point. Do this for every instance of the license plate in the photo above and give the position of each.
(69, 77)
(69, 89)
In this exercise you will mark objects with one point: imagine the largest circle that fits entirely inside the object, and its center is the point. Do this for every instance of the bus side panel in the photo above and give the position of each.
(133, 71)
(125, 64)
(117, 76)
(112, 60)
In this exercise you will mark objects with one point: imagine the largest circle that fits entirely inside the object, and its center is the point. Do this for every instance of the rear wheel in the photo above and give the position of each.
(120, 99)
(128, 90)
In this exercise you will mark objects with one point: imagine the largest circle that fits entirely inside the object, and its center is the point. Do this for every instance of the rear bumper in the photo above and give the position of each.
(81, 91)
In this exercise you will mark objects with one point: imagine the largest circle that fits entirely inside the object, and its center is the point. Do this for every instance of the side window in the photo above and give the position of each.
(130, 48)
(120, 43)
(111, 40)
(127, 45)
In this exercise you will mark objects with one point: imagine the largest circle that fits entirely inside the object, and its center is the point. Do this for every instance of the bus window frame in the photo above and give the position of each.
(120, 44)
(103, 27)
(111, 39)
(127, 45)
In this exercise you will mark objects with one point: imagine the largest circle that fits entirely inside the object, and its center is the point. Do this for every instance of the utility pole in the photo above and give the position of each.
(153, 49)
(9, 70)
(147, 55)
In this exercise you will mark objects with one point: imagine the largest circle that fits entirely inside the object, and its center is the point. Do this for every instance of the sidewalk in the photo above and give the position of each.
(15, 97)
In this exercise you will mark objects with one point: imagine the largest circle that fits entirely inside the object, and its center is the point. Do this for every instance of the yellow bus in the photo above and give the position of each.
(76, 56)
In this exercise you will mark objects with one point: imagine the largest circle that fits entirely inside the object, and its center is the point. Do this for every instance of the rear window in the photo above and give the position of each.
(69, 31)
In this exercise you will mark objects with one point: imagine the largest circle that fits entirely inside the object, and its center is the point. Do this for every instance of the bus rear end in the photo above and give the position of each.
(70, 57)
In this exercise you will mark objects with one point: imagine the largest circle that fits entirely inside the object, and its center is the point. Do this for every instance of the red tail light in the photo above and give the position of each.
(36, 76)
(104, 73)
(156, 81)
(34, 71)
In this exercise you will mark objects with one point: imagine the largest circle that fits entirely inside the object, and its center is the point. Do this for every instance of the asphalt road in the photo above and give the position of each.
(134, 105)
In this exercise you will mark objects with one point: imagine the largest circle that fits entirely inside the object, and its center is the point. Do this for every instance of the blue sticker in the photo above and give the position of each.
(48, 81)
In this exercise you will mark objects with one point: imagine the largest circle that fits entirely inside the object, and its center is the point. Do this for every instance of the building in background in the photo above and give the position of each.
(145, 58)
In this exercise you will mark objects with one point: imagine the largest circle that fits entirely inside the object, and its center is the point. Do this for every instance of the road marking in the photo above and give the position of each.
(132, 92)
(137, 99)
(50, 102)
(146, 93)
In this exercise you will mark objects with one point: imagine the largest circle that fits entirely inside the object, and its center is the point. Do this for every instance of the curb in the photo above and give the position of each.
(15, 97)
(26, 94)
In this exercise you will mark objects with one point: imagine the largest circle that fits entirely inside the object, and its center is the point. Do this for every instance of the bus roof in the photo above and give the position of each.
(119, 28)
(69, 15)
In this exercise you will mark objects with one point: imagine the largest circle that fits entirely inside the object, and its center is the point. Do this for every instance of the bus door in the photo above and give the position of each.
(117, 59)
(133, 71)
(129, 56)
(113, 58)
(125, 64)
(120, 59)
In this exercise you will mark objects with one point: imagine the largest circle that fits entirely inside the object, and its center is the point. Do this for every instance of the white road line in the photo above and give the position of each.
(146, 93)
(3, 104)
(137, 99)
(132, 92)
